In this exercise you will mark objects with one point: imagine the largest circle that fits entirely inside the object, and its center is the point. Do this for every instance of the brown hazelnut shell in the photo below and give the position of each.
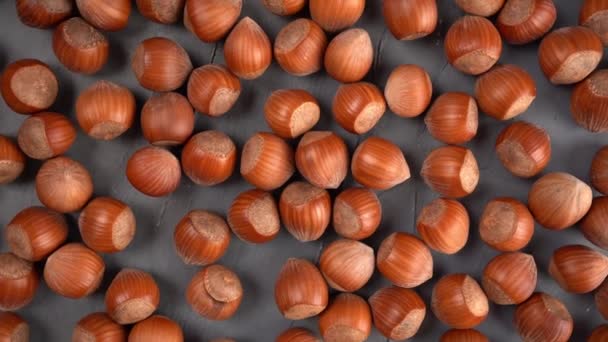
(601, 299)
(291, 112)
(410, 19)
(98, 326)
(213, 90)
(253, 216)
(284, 7)
(443, 225)
(358, 107)
(105, 110)
(209, 158)
(357, 213)
(80, 47)
(463, 335)
(543, 318)
(297, 335)
(558, 200)
(132, 296)
(215, 293)
(154, 171)
(163, 11)
(404, 260)
(505, 91)
(107, 225)
(578, 269)
(248, 50)
(451, 171)
(211, 20)
(347, 316)
(300, 291)
(300, 46)
(473, 45)
(167, 119)
(408, 90)
(305, 210)
(459, 301)
(267, 161)
(379, 164)
(35, 232)
(599, 334)
(46, 135)
(74, 271)
(13, 328)
(156, 329)
(63, 185)
(593, 15)
(510, 278)
(347, 265)
(484, 8)
(593, 225)
(522, 22)
(349, 55)
(569, 54)
(336, 16)
(12, 160)
(201, 237)
(398, 313)
(160, 64)
(453, 118)
(107, 16)
(18, 282)
(506, 224)
(599, 170)
(589, 102)
(322, 159)
(524, 149)
(29, 85)
(42, 13)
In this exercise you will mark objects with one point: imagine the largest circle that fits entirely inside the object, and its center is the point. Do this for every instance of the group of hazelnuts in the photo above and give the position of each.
(473, 45)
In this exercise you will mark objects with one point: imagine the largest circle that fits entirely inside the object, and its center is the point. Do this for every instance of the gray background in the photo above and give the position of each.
(52, 317)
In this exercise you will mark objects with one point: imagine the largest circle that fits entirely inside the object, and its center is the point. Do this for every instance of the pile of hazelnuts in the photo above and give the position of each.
(473, 45)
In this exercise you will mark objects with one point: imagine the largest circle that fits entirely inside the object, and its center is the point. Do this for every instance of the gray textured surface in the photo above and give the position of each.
(52, 317)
